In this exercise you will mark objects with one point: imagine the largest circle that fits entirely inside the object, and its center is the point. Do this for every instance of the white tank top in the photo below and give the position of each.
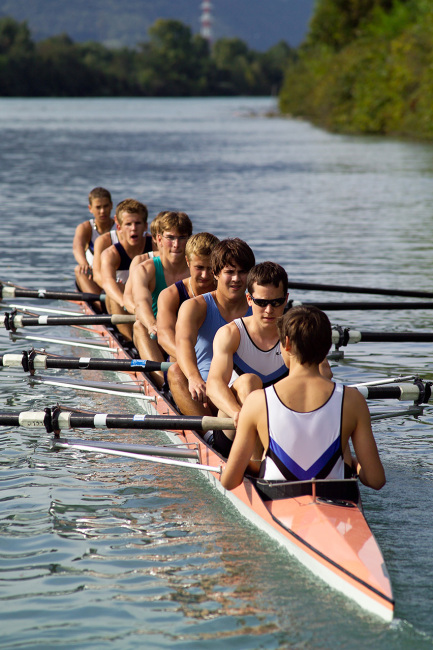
(303, 446)
(267, 364)
(95, 234)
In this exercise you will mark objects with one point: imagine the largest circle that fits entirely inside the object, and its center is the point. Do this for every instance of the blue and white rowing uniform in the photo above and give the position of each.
(303, 446)
(267, 364)
(95, 235)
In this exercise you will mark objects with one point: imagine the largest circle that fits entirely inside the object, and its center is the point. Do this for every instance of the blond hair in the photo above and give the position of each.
(200, 244)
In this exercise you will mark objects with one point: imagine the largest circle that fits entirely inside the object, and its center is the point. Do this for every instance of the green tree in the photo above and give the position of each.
(15, 38)
(173, 62)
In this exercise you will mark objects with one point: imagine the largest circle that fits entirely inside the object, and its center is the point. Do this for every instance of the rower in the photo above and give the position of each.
(299, 428)
(200, 318)
(201, 280)
(154, 275)
(86, 234)
(115, 260)
(128, 300)
(246, 352)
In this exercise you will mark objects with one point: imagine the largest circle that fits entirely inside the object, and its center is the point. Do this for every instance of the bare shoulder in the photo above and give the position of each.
(103, 241)
(195, 308)
(137, 260)
(143, 270)
(110, 255)
(227, 337)
(84, 229)
(353, 398)
(169, 297)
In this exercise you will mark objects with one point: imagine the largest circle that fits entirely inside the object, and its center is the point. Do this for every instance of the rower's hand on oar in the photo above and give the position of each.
(197, 391)
(85, 269)
(153, 332)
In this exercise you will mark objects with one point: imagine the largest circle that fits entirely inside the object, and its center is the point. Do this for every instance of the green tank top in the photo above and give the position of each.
(160, 283)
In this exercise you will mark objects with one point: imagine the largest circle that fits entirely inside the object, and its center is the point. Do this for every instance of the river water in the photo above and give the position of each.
(97, 552)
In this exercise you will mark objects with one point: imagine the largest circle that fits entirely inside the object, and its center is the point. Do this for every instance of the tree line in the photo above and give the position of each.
(365, 67)
(171, 62)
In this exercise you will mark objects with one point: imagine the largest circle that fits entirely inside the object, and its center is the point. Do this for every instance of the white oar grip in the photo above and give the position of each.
(208, 423)
(31, 418)
(8, 292)
(118, 319)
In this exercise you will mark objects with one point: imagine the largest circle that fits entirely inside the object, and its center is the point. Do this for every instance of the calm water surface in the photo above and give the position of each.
(97, 552)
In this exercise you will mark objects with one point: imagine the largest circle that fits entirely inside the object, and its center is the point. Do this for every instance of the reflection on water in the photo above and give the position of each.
(100, 551)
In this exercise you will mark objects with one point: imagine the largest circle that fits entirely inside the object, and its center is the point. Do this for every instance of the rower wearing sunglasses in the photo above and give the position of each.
(246, 352)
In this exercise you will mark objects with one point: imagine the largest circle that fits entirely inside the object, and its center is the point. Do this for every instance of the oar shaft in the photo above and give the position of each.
(71, 420)
(306, 286)
(8, 292)
(152, 459)
(42, 361)
(13, 321)
(345, 336)
(362, 306)
(165, 451)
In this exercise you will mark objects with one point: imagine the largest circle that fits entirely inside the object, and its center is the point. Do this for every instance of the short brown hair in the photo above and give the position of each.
(267, 273)
(99, 193)
(309, 332)
(232, 251)
(154, 223)
(132, 207)
(201, 244)
(176, 220)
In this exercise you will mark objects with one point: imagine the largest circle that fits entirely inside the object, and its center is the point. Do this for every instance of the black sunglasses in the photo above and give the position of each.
(262, 302)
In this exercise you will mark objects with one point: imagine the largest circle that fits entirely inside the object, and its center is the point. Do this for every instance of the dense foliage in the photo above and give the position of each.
(173, 62)
(365, 67)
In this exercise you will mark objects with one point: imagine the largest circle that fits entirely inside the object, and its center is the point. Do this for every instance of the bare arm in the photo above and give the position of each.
(101, 244)
(190, 318)
(128, 298)
(245, 440)
(143, 283)
(110, 262)
(369, 466)
(82, 237)
(226, 342)
(168, 306)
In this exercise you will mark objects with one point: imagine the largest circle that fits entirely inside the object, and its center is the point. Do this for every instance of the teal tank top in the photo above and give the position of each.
(160, 283)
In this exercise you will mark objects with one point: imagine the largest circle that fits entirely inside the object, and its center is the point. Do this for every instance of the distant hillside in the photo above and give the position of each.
(260, 23)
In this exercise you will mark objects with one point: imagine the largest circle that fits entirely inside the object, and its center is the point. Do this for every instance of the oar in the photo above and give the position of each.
(57, 420)
(33, 310)
(419, 391)
(362, 306)
(8, 291)
(105, 387)
(64, 444)
(13, 321)
(343, 336)
(33, 361)
(167, 451)
(76, 342)
(306, 286)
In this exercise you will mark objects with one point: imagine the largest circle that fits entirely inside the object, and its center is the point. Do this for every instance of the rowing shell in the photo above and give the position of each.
(321, 523)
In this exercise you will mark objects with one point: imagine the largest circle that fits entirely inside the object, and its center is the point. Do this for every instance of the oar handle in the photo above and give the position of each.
(57, 420)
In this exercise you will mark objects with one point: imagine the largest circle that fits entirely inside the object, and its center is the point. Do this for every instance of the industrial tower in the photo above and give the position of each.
(206, 20)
